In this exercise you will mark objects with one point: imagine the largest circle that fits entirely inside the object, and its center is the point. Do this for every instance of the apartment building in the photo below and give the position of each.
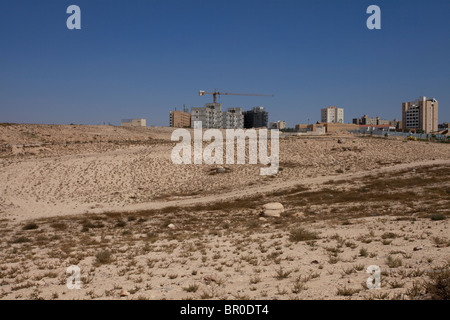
(256, 118)
(210, 115)
(420, 115)
(180, 119)
(332, 114)
(233, 118)
(365, 120)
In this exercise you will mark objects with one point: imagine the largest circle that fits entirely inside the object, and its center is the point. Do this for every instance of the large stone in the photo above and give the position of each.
(273, 209)
(221, 170)
(273, 206)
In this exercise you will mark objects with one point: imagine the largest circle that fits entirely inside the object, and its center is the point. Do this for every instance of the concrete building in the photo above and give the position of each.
(332, 114)
(420, 115)
(315, 128)
(233, 118)
(180, 119)
(256, 118)
(280, 125)
(365, 120)
(134, 123)
(210, 115)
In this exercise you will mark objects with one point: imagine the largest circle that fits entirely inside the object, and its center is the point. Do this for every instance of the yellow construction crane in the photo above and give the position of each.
(216, 93)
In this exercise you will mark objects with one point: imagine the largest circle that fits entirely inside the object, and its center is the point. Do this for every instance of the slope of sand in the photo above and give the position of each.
(134, 170)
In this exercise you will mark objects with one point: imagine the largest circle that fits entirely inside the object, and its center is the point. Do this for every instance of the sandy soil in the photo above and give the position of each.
(110, 200)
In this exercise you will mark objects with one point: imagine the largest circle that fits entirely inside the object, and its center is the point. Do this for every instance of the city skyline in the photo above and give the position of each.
(142, 59)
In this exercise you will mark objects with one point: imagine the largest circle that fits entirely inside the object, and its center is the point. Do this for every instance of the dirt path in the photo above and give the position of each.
(251, 191)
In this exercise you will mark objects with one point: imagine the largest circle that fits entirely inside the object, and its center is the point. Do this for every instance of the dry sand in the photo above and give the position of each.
(115, 189)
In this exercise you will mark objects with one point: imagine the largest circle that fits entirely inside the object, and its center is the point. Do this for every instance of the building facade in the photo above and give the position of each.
(134, 122)
(256, 118)
(332, 114)
(233, 118)
(210, 115)
(280, 125)
(365, 120)
(420, 115)
(180, 119)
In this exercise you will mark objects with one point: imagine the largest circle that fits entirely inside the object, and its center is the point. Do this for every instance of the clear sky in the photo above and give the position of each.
(143, 58)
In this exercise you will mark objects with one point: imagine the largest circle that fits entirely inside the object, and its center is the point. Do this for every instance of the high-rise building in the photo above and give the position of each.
(210, 115)
(256, 118)
(233, 118)
(180, 119)
(332, 115)
(420, 115)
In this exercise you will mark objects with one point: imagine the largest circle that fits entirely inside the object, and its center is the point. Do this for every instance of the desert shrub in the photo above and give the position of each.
(30, 226)
(104, 257)
(301, 234)
(438, 287)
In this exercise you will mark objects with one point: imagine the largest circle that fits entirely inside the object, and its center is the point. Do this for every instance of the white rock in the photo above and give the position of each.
(273, 206)
(273, 209)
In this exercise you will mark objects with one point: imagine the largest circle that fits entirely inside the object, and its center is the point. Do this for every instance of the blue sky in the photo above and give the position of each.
(143, 58)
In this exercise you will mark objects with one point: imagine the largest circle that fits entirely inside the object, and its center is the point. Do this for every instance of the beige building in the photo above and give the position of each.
(180, 119)
(318, 128)
(420, 115)
(280, 125)
(332, 115)
(134, 123)
(365, 120)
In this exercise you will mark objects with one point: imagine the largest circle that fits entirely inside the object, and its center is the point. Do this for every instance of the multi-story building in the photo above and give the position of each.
(280, 125)
(256, 118)
(134, 123)
(396, 123)
(233, 118)
(365, 120)
(332, 114)
(420, 115)
(210, 115)
(180, 119)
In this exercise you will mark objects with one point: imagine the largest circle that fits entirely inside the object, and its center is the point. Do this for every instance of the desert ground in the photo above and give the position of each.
(109, 200)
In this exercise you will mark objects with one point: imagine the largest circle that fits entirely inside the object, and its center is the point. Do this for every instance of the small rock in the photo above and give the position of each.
(418, 248)
(262, 219)
(171, 226)
(124, 293)
(314, 262)
(221, 170)
(340, 141)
